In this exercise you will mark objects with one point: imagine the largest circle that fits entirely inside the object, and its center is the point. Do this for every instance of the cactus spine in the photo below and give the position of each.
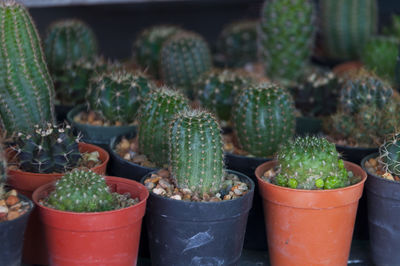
(196, 151)
(263, 117)
(389, 155)
(26, 89)
(156, 114)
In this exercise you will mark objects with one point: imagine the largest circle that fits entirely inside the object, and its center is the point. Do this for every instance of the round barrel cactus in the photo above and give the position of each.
(389, 154)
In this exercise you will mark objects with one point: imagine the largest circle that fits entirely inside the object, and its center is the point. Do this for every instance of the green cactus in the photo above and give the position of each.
(346, 26)
(26, 89)
(159, 108)
(310, 163)
(286, 37)
(263, 117)
(3, 172)
(67, 42)
(48, 149)
(147, 47)
(217, 89)
(394, 28)
(184, 57)
(117, 95)
(82, 191)
(238, 43)
(196, 151)
(389, 154)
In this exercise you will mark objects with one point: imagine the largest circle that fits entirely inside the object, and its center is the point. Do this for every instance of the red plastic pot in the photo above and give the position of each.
(35, 251)
(100, 238)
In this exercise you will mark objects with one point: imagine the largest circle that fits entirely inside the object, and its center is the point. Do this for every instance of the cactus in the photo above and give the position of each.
(184, 57)
(155, 116)
(3, 172)
(26, 89)
(217, 89)
(238, 43)
(117, 95)
(394, 28)
(48, 149)
(147, 47)
(346, 25)
(196, 151)
(67, 42)
(311, 163)
(286, 37)
(263, 117)
(82, 191)
(389, 155)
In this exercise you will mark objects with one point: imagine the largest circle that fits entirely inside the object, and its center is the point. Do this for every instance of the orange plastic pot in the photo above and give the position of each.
(100, 238)
(309, 227)
(35, 251)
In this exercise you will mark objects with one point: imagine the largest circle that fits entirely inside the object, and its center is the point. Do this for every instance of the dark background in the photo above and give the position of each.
(117, 25)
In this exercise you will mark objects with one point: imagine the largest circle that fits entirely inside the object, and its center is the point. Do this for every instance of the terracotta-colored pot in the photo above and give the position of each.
(35, 251)
(99, 238)
(347, 67)
(309, 227)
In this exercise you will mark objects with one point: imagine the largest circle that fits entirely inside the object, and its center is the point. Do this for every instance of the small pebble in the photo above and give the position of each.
(177, 197)
(12, 215)
(388, 176)
(159, 191)
(3, 209)
(11, 200)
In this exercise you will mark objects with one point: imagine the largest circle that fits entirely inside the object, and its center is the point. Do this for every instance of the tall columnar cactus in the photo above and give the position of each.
(196, 151)
(263, 117)
(26, 89)
(147, 47)
(238, 43)
(346, 25)
(155, 115)
(217, 88)
(389, 154)
(117, 95)
(67, 42)
(310, 163)
(286, 37)
(82, 191)
(184, 57)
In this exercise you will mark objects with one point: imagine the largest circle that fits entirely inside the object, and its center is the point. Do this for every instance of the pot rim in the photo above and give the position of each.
(374, 155)
(356, 148)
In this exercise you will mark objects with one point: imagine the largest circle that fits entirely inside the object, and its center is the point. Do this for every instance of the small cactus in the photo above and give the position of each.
(196, 151)
(82, 191)
(117, 95)
(310, 163)
(156, 113)
(184, 57)
(263, 117)
(48, 149)
(389, 155)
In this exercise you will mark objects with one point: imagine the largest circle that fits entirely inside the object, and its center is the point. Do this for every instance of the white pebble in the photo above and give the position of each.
(177, 197)
(159, 191)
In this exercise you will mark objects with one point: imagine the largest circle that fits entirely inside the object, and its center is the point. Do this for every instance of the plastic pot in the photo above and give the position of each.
(197, 233)
(308, 125)
(12, 237)
(61, 112)
(383, 217)
(100, 238)
(35, 251)
(354, 154)
(309, 227)
(98, 135)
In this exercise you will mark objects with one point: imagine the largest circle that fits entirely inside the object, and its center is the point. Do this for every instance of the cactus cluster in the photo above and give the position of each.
(196, 151)
(237, 43)
(184, 57)
(389, 155)
(81, 191)
(156, 113)
(117, 95)
(26, 89)
(216, 90)
(147, 47)
(346, 26)
(48, 149)
(286, 37)
(310, 163)
(263, 117)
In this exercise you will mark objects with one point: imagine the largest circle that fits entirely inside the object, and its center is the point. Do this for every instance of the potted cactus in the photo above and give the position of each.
(310, 197)
(197, 211)
(90, 219)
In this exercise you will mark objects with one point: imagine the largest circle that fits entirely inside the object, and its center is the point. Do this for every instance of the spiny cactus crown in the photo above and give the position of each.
(196, 151)
(263, 117)
(48, 149)
(156, 113)
(82, 191)
(117, 95)
(389, 154)
(310, 163)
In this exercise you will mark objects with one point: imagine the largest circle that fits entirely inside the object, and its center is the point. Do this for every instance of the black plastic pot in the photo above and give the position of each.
(61, 112)
(12, 237)
(197, 233)
(98, 135)
(354, 154)
(308, 125)
(383, 217)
